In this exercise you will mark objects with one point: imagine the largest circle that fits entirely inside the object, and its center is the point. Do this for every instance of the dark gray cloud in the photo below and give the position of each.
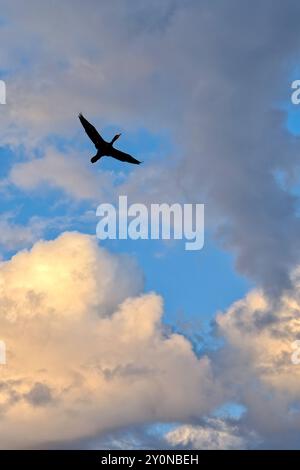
(39, 395)
(244, 54)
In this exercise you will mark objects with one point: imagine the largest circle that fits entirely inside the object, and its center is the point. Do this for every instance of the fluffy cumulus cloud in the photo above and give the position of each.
(85, 352)
(88, 355)
(258, 367)
(257, 362)
(263, 335)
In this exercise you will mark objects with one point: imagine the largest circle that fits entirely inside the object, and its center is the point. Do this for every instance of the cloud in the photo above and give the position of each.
(85, 352)
(263, 332)
(63, 171)
(214, 435)
(254, 368)
(199, 72)
(88, 356)
(255, 365)
(64, 280)
(210, 76)
(15, 236)
(39, 395)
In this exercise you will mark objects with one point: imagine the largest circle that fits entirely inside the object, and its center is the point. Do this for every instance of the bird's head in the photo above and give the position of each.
(115, 138)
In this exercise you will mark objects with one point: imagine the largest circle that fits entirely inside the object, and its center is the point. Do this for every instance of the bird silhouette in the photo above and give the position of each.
(105, 148)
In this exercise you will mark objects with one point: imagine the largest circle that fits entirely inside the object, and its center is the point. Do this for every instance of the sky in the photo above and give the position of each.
(122, 344)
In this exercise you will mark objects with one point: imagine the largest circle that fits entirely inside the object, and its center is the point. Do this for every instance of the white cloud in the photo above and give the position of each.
(15, 236)
(88, 354)
(66, 171)
(215, 434)
(262, 331)
(84, 354)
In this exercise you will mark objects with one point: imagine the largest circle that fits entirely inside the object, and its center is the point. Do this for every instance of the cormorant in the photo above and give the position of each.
(103, 147)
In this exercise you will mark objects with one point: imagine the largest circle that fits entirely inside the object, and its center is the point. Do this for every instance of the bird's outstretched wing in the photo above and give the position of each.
(123, 157)
(91, 131)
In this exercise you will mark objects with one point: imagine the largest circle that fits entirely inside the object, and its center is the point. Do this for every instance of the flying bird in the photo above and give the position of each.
(105, 148)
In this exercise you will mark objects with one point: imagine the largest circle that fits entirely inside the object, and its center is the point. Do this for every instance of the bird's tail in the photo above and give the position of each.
(96, 158)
